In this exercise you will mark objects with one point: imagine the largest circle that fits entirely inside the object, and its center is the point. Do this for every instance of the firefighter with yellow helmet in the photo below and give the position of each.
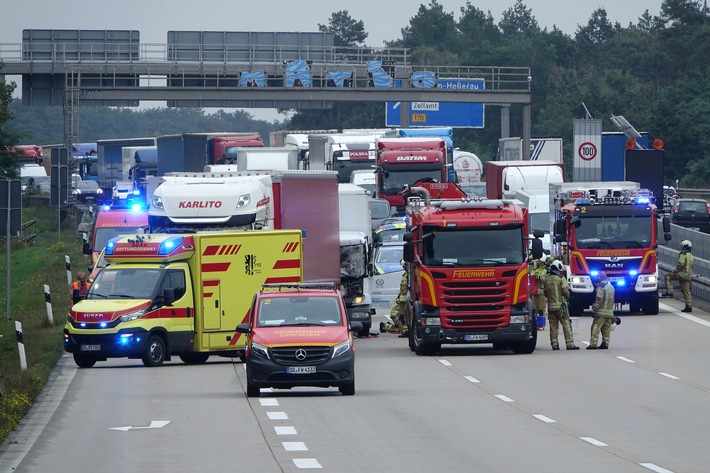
(683, 273)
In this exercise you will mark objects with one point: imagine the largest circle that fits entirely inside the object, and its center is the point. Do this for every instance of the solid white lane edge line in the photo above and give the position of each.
(445, 363)
(277, 415)
(655, 468)
(692, 318)
(544, 419)
(668, 375)
(471, 379)
(593, 441)
(285, 430)
(504, 398)
(623, 358)
(295, 446)
(306, 463)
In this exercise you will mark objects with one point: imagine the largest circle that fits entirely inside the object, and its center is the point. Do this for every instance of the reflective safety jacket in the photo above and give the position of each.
(604, 301)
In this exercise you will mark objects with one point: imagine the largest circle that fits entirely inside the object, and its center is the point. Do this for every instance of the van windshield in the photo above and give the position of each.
(125, 283)
(299, 310)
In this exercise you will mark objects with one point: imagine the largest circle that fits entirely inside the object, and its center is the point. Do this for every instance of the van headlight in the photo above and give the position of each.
(133, 315)
(341, 348)
(260, 350)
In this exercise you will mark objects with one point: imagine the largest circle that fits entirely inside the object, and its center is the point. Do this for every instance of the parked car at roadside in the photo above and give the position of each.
(691, 213)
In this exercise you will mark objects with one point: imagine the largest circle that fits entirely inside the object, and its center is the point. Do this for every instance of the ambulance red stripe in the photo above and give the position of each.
(287, 264)
(215, 267)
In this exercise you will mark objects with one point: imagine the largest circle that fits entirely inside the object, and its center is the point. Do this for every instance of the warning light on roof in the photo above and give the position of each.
(630, 144)
(658, 144)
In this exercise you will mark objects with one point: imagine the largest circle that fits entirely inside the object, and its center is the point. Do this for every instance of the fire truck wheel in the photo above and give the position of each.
(84, 361)
(194, 358)
(415, 337)
(650, 306)
(155, 353)
(365, 332)
(575, 308)
(252, 390)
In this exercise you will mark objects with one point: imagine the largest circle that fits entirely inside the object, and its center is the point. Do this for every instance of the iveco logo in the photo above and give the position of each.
(93, 316)
(301, 354)
(613, 265)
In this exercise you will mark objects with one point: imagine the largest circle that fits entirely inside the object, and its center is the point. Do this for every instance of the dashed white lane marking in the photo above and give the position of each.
(276, 415)
(471, 379)
(593, 441)
(504, 398)
(544, 419)
(623, 358)
(445, 363)
(307, 463)
(295, 446)
(655, 468)
(269, 402)
(285, 430)
(668, 375)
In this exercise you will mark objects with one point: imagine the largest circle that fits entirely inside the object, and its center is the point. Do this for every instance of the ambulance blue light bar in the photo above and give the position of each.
(167, 246)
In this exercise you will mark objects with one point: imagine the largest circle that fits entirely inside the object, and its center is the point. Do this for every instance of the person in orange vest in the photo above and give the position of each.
(79, 288)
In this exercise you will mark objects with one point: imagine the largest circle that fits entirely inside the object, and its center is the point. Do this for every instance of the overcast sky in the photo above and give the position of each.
(383, 19)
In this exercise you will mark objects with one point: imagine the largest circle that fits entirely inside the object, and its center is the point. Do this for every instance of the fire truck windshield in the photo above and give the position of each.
(104, 234)
(614, 232)
(473, 247)
(394, 182)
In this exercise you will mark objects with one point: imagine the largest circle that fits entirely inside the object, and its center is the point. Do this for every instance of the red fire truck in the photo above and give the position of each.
(613, 228)
(467, 269)
(403, 161)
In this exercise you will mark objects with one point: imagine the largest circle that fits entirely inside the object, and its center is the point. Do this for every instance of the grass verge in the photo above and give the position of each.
(32, 265)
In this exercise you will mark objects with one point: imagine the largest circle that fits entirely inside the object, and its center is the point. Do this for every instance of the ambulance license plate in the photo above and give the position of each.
(91, 348)
(476, 337)
(301, 369)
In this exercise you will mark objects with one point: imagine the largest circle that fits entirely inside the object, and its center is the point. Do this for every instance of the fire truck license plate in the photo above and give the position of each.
(91, 348)
(301, 369)
(477, 337)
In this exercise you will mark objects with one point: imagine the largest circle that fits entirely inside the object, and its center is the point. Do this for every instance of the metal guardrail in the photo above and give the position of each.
(668, 259)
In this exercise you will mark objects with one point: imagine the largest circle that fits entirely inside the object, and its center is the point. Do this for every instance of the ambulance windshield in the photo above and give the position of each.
(125, 283)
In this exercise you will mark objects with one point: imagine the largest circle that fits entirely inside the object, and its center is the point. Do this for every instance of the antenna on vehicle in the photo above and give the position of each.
(626, 128)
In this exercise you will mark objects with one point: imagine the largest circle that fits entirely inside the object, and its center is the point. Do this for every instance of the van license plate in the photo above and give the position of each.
(91, 348)
(301, 369)
(475, 337)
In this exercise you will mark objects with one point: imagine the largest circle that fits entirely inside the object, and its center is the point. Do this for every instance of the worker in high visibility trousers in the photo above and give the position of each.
(683, 273)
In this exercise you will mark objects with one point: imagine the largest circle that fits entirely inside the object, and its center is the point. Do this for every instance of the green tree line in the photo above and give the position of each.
(652, 71)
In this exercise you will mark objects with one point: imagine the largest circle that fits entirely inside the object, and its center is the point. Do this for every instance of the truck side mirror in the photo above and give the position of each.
(407, 236)
(560, 230)
(408, 252)
(575, 221)
(538, 233)
(75, 297)
(537, 250)
(666, 226)
(86, 249)
(667, 236)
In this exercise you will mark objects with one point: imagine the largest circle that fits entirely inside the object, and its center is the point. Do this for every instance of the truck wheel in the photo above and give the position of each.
(84, 361)
(194, 358)
(575, 308)
(252, 390)
(528, 347)
(365, 332)
(415, 338)
(348, 389)
(650, 305)
(155, 353)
